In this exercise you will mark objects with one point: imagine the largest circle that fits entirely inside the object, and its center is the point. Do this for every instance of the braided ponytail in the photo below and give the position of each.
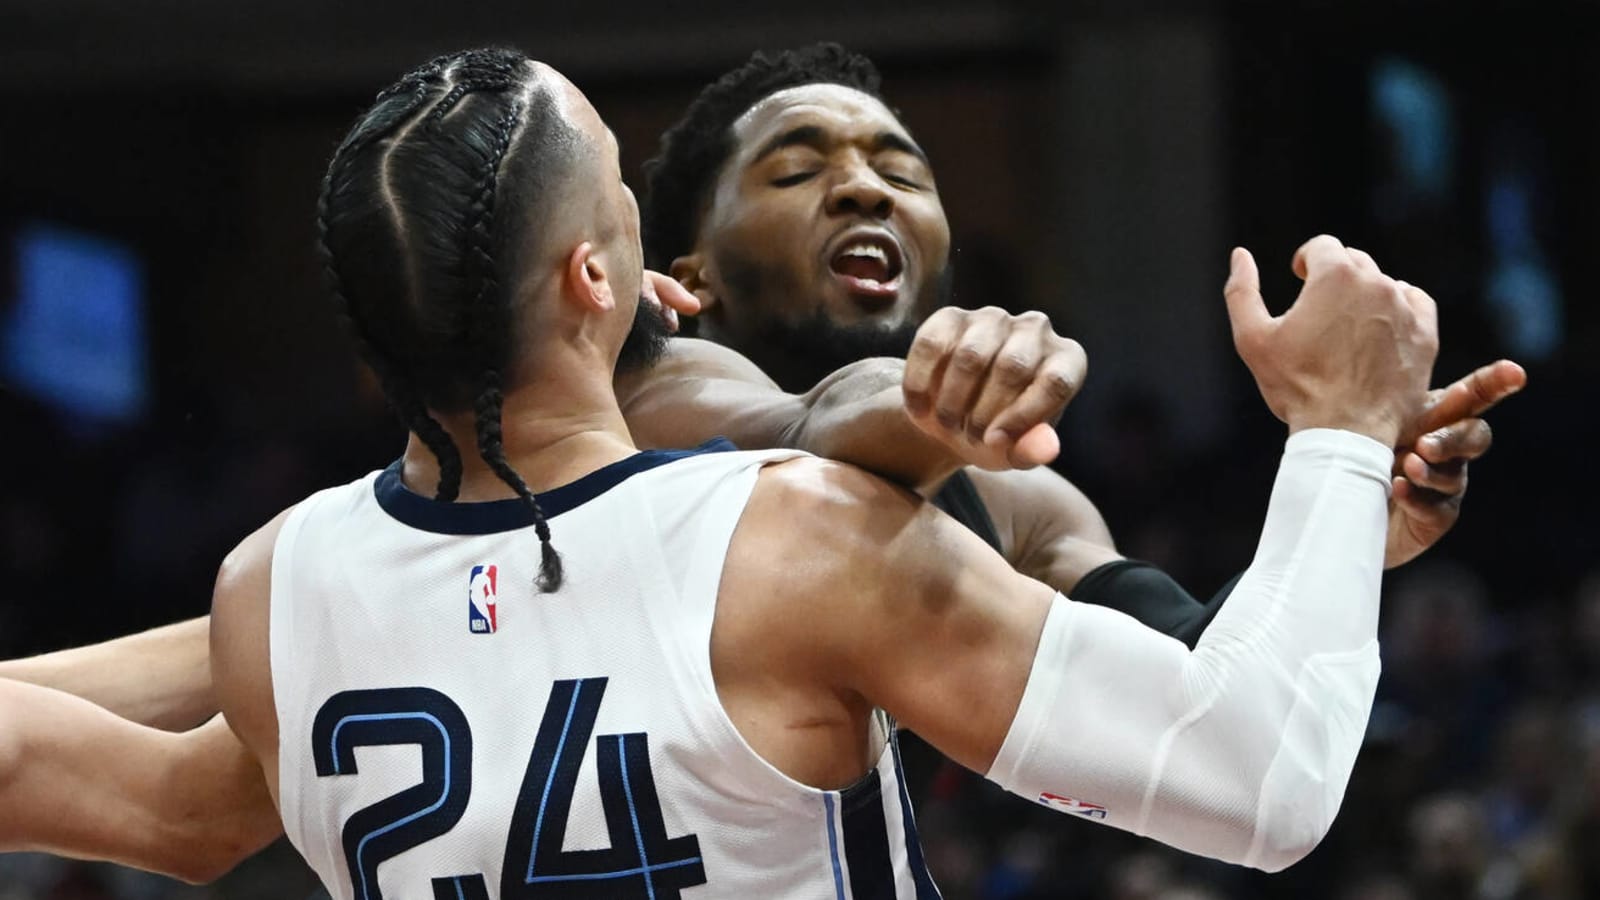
(408, 208)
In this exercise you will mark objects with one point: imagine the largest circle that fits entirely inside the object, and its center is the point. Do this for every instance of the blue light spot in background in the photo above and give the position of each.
(74, 337)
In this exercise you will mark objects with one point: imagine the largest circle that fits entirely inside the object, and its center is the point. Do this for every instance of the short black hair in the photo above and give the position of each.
(424, 210)
(693, 151)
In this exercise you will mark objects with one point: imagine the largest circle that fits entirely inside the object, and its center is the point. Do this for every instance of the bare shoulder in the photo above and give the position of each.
(811, 525)
(832, 502)
(248, 566)
(240, 667)
(834, 539)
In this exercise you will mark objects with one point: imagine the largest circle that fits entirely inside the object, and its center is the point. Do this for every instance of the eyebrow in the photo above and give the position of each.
(813, 136)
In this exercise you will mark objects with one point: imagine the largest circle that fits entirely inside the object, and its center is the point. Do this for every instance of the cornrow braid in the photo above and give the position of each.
(407, 404)
(409, 210)
(486, 415)
(487, 326)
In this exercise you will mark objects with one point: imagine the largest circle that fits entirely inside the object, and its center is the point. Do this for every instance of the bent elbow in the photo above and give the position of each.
(1282, 847)
(1293, 819)
(210, 859)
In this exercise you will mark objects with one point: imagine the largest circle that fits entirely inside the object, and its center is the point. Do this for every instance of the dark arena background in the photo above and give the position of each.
(172, 375)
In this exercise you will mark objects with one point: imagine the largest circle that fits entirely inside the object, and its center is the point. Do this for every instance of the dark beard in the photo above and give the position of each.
(646, 341)
(817, 346)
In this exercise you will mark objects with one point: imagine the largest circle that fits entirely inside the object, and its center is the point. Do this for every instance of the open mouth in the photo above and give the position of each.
(869, 265)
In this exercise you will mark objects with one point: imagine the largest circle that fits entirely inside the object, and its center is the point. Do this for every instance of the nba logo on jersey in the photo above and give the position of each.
(1067, 804)
(481, 593)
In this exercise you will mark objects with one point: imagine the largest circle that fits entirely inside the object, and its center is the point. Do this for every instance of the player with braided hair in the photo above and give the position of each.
(420, 366)
(731, 635)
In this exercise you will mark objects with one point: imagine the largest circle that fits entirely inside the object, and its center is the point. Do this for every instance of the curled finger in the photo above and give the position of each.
(1447, 479)
(925, 362)
(1053, 386)
(1463, 440)
(966, 369)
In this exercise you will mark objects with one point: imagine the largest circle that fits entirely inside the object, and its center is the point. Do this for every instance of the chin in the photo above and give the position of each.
(860, 311)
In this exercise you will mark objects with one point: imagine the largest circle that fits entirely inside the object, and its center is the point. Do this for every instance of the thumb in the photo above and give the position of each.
(1247, 312)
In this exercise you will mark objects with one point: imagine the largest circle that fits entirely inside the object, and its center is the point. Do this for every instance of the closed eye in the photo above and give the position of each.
(903, 181)
(792, 180)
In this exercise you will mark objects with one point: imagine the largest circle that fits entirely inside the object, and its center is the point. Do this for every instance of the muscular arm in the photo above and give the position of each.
(160, 677)
(1239, 749)
(1048, 528)
(701, 390)
(76, 780)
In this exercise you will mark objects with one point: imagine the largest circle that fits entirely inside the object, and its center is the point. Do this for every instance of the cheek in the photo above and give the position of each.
(933, 234)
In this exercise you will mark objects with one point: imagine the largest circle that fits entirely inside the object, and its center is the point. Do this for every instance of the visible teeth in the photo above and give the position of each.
(869, 251)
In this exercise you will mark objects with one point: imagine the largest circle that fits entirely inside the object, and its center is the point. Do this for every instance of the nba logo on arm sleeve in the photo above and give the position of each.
(481, 594)
(1067, 804)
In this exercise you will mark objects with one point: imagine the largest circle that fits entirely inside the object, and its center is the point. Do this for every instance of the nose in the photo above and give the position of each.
(861, 191)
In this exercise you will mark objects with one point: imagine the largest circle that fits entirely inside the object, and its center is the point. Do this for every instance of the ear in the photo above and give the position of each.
(588, 284)
(690, 272)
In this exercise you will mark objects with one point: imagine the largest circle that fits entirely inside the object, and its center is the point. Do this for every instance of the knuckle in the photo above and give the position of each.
(1058, 385)
(1033, 320)
(1013, 368)
(977, 426)
(1343, 272)
(935, 345)
(968, 358)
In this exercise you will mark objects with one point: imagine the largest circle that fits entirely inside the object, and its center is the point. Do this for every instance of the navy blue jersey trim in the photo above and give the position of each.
(866, 839)
(926, 890)
(493, 516)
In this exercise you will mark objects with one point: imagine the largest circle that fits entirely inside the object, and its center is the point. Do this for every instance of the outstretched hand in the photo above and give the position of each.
(1354, 352)
(990, 386)
(1430, 467)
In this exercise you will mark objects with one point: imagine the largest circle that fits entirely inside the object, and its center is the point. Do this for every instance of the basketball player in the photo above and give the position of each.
(1025, 374)
(558, 666)
(800, 211)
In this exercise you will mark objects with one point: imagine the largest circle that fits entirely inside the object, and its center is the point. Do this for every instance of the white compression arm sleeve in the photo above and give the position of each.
(1241, 749)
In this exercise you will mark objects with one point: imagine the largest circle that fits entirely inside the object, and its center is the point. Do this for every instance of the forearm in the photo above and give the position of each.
(81, 782)
(160, 677)
(857, 415)
(1241, 749)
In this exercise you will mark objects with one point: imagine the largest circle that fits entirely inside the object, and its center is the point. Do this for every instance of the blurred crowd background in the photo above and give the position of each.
(171, 374)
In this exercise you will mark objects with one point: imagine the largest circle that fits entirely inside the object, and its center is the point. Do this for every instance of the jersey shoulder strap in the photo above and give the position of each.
(959, 498)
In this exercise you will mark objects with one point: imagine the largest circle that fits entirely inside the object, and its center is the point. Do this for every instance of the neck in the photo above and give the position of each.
(553, 431)
(796, 369)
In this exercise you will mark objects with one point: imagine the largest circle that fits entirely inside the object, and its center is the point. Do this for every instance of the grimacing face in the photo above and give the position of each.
(827, 210)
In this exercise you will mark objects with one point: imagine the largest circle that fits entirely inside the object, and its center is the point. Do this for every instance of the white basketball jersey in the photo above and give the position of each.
(448, 732)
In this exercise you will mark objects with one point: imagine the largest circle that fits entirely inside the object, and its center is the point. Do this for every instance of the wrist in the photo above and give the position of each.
(1382, 429)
